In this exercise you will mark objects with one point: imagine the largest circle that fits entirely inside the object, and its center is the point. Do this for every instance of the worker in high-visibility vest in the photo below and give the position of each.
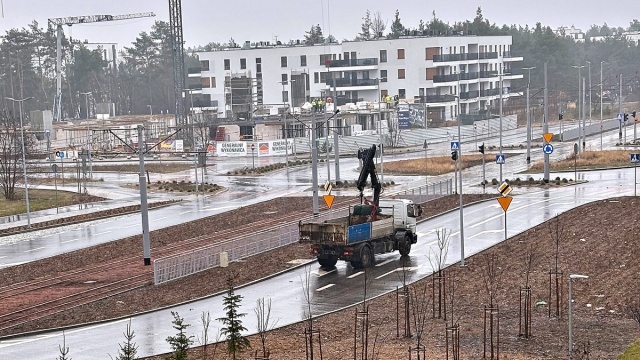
(314, 104)
(321, 104)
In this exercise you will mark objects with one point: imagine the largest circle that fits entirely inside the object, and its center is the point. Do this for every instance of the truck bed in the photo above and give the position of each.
(338, 232)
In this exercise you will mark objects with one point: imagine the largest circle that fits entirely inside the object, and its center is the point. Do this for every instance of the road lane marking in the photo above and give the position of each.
(162, 218)
(325, 287)
(485, 232)
(42, 247)
(102, 233)
(414, 268)
(355, 275)
(321, 272)
(185, 212)
(68, 241)
(385, 262)
(2, 257)
(130, 226)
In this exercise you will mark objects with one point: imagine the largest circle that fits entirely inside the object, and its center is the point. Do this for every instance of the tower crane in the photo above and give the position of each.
(73, 20)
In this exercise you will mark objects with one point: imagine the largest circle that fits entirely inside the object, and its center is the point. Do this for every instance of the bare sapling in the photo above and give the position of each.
(265, 323)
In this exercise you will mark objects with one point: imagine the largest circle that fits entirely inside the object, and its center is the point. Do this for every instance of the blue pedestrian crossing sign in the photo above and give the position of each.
(635, 158)
(619, 117)
(500, 159)
(548, 149)
(455, 145)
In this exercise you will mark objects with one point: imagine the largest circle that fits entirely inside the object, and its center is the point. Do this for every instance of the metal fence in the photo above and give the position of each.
(427, 192)
(190, 262)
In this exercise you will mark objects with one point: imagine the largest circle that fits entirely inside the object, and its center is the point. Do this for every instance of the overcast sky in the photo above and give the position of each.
(207, 21)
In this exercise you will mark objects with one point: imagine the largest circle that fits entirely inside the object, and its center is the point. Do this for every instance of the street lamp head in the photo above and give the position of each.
(578, 276)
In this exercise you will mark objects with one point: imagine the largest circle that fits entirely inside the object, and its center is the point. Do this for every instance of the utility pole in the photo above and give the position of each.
(144, 208)
(336, 131)
(24, 158)
(528, 118)
(545, 122)
(326, 143)
(589, 63)
(584, 116)
(578, 99)
(501, 87)
(314, 165)
(286, 130)
(601, 62)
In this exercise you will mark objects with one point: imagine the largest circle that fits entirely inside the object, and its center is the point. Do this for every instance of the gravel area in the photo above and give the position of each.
(593, 241)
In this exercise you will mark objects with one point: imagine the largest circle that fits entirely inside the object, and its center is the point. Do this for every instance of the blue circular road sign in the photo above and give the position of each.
(548, 149)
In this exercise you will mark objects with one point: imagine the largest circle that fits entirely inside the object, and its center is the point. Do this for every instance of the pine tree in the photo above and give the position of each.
(181, 342)
(365, 34)
(128, 350)
(233, 328)
(314, 36)
(64, 349)
(397, 29)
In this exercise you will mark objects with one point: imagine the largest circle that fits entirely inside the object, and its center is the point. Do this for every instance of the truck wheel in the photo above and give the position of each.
(328, 263)
(366, 257)
(405, 246)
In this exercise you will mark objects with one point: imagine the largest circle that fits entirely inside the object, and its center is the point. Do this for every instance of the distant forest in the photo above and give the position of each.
(143, 76)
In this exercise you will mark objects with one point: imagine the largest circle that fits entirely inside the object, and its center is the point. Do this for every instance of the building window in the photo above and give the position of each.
(383, 56)
(258, 60)
(285, 78)
(213, 82)
(204, 65)
(400, 54)
(285, 96)
(402, 94)
(283, 61)
(243, 64)
(316, 77)
(325, 59)
(421, 92)
(384, 93)
(303, 60)
(383, 75)
(323, 77)
(258, 68)
(227, 64)
(400, 73)
(205, 82)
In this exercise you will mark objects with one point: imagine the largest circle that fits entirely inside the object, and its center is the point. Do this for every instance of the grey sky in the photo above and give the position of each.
(213, 20)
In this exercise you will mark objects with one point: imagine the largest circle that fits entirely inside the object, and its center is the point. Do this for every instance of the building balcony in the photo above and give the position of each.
(487, 55)
(434, 99)
(488, 74)
(465, 95)
(455, 57)
(360, 84)
(512, 56)
(489, 92)
(354, 64)
(454, 77)
(194, 71)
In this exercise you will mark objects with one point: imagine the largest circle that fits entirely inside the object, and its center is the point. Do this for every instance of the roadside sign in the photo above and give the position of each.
(328, 199)
(500, 159)
(504, 189)
(54, 168)
(47, 132)
(619, 117)
(505, 202)
(635, 158)
(575, 148)
(60, 154)
(547, 137)
(328, 187)
(548, 149)
(455, 145)
(425, 144)
(253, 147)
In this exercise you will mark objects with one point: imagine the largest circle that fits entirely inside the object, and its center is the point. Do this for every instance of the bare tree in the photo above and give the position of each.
(420, 302)
(438, 259)
(205, 320)
(265, 323)
(378, 25)
(64, 349)
(556, 231)
(11, 153)
(492, 274)
(309, 332)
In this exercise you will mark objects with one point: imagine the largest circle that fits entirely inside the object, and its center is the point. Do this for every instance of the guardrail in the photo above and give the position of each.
(204, 258)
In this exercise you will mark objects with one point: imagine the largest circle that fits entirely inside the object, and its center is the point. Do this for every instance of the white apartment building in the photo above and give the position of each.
(571, 32)
(434, 71)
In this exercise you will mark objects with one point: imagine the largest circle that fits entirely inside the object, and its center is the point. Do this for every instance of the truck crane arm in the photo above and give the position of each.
(369, 170)
(72, 20)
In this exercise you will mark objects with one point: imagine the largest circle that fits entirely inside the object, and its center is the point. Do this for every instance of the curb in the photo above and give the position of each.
(81, 221)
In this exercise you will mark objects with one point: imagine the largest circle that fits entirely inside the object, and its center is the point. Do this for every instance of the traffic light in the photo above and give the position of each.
(454, 155)
(560, 116)
(481, 148)
(633, 114)
(626, 117)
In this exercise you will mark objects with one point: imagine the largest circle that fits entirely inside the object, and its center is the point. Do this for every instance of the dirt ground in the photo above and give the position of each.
(593, 241)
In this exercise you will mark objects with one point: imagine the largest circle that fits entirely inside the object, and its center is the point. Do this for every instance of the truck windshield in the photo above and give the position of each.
(410, 211)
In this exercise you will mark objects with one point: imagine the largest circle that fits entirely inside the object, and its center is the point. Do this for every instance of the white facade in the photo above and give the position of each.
(571, 32)
(431, 70)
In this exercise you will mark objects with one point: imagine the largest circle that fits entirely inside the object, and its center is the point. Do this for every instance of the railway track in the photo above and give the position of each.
(29, 301)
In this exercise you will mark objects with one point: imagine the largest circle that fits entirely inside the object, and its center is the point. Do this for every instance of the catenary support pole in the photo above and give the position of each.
(545, 122)
(144, 208)
(460, 178)
(584, 116)
(501, 87)
(620, 111)
(601, 85)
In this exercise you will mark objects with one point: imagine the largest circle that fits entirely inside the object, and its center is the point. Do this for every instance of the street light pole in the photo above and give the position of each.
(286, 135)
(24, 159)
(578, 98)
(528, 117)
(86, 100)
(589, 64)
(460, 179)
(545, 122)
(501, 87)
(571, 278)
